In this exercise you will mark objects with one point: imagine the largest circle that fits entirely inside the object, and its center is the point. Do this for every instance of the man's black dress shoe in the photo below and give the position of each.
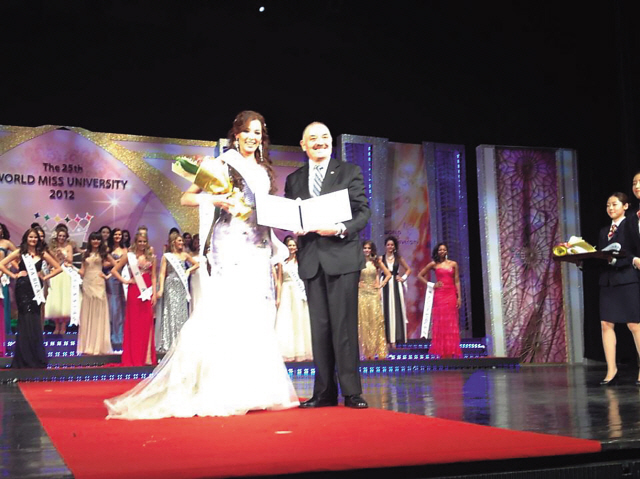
(610, 382)
(317, 402)
(355, 401)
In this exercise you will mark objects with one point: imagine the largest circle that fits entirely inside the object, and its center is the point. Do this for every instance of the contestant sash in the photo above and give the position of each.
(76, 281)
(33, 278)
(279, 252)
(4, 281)
(126, 276)
(179, 269)
(426, 314)
(295, 277)
(145, 292)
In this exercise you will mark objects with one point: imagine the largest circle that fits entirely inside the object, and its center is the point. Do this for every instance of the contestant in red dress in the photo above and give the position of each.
(445, 333)
(138, 346)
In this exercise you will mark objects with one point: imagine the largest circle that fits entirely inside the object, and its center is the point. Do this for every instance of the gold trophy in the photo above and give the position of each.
(212, 177)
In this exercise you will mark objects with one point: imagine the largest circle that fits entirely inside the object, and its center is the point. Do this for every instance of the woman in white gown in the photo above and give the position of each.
(293, 326)
(205, 373)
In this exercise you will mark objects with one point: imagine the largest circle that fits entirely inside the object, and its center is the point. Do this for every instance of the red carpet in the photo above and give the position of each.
(263, 443)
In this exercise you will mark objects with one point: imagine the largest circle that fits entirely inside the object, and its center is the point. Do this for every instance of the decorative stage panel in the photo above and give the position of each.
(407, 213)
(446, 175)
(370, 154)
(70, 175)
(529, 203)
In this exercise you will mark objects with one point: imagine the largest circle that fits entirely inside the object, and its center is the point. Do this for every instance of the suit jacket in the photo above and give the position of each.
(336, 255)
(622, 272)
(633, 232)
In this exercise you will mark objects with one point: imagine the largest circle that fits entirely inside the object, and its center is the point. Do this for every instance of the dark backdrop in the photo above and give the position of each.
(544, 73)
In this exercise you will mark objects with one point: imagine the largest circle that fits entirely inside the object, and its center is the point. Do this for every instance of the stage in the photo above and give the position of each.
(560, 400)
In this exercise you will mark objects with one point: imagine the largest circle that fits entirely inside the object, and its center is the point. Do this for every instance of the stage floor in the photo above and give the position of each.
(555, 399)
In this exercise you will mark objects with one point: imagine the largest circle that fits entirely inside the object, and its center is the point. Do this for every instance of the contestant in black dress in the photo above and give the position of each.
(29, 348)
(619, 298)
(395, 313)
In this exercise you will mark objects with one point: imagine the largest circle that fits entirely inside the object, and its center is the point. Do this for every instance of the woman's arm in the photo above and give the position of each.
(457, 281)
(4, 265)
(111, 262)
(56, 270)
(153, 281)
(407, 271)
(68, 255)
(422, 275)
(194, 264)
(277, 277)
(10, 245)
(115, 271)
(385, 271)
(163, 272)
(194, 196)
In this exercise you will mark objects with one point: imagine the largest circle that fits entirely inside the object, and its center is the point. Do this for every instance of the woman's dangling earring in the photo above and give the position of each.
(446, 256)
(260, 150)
(236, 144)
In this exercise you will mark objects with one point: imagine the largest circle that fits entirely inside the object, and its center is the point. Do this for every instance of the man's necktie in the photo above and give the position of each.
(317, 181)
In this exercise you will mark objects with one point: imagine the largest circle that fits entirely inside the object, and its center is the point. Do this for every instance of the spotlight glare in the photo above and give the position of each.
(261, 9)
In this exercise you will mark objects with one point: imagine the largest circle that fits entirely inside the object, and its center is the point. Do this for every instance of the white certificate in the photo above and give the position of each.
(303, 215)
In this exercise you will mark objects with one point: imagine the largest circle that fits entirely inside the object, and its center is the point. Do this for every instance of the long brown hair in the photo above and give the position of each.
(373, 256)
(24, 245)
(102, 249)
(240, 124)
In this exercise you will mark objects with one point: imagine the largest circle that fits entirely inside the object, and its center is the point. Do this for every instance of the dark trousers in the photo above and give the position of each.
(333, 308)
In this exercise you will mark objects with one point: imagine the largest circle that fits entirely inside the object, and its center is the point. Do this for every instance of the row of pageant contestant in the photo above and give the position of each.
(381, 289)
(102, 303)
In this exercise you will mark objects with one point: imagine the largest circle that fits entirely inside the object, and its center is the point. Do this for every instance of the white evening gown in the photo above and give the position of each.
(226, 359)
(293, 326)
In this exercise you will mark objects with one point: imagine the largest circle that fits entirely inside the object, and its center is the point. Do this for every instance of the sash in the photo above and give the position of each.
(4, 281)
(76, 281)
(256, 183)
(179, 269)
(127, 276)
(145, 292)
(33, 278)
(295, 277)
(426, 314)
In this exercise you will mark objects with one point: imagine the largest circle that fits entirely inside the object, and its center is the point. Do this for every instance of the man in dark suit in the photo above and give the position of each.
(330, 260)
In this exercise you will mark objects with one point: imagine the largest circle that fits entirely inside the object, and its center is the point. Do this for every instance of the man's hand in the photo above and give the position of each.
(329, 231)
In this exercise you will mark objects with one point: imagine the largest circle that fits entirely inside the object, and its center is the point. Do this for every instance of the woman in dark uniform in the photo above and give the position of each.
(619, 299)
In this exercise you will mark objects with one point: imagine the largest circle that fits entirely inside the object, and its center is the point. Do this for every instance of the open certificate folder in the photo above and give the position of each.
(303, 215)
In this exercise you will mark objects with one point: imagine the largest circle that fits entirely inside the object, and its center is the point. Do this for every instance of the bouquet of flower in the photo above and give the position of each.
(212, 177)
(575, 245)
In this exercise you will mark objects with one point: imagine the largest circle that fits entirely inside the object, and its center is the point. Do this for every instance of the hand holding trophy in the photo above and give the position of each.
(212, 176)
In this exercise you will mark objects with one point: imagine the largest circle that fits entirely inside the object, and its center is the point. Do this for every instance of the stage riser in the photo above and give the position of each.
(538, 468)
(62, 346)
(367, 368)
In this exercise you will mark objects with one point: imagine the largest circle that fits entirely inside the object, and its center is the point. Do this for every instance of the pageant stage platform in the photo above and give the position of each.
(560, 400)
(65, 365)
